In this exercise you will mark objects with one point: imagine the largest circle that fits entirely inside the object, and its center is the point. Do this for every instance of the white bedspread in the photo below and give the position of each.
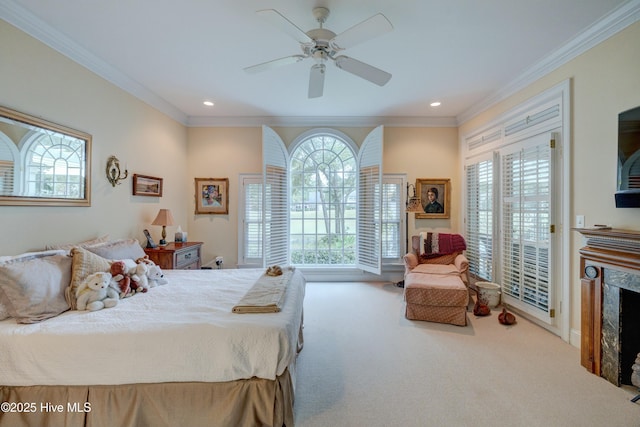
(182, 331)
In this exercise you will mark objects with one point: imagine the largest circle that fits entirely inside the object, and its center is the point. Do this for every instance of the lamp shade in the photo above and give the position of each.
(164, 218)
(414, 204)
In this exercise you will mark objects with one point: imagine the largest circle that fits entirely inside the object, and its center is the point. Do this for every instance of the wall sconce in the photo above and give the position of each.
(114, 174)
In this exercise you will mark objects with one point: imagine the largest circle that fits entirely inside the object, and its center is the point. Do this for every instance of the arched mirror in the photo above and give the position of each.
(42, 163)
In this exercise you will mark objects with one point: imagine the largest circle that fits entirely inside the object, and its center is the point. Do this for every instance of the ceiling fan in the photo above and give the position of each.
(321, 45)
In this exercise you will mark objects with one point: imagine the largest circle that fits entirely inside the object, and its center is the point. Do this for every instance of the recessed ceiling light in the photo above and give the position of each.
(435, 104)
(208, 103)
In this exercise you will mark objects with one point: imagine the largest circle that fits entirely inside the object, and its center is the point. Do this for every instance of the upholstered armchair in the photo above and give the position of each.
(448, 255)
(436, 282)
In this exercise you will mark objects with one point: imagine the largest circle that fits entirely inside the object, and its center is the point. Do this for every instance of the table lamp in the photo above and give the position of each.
(164, 218)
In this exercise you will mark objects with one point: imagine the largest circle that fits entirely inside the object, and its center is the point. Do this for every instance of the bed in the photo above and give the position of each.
(176, 355)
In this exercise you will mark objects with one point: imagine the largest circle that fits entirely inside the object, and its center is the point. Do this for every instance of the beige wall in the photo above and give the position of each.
(605, 81)
(39, 81)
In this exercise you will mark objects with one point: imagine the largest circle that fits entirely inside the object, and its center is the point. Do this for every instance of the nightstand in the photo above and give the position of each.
(176, 256)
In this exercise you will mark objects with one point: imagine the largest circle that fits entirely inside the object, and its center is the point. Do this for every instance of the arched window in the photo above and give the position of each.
(324, 176)
(54, 166)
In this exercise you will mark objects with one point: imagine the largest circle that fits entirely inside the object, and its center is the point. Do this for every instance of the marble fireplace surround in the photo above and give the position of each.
(610, 273)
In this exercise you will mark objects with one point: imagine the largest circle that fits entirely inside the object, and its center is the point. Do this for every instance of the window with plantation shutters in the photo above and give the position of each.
(250, 226)
(392, 234)
(517, 206)
(369, 212)
(526, 221)
(479, 217)
(275, 199)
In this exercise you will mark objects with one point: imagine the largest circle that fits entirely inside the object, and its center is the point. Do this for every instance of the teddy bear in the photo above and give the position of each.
(95, 293)
(120, 279)
(155, 276)
(139, 278)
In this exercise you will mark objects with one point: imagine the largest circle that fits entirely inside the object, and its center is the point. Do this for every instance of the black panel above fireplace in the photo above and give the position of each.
(628, 199)
(628, 186)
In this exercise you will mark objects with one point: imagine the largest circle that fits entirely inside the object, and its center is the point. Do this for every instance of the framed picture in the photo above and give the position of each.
(435, 197)
(144, 185)
(212, 196)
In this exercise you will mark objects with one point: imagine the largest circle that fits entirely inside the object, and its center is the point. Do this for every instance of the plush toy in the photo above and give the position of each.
(274, 270)
(120, 279)
(95, 293)
(139, 279)
(155, 276)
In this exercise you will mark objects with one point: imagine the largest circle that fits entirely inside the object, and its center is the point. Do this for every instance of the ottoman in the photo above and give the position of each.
(436, 298)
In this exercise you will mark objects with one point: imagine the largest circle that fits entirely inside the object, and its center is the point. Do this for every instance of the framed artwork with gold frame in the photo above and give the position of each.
(435, 195)
(212, 196)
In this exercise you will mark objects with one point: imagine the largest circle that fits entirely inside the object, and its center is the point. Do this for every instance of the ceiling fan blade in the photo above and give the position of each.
(366, 30)
(316, 80)
(360, 69)
(273, 64)
(279, 21)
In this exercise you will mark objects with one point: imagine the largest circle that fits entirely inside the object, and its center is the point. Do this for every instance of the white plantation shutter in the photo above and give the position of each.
(369, 257)
(251, 196)
(6, 178)
(526, 213)
(275, 199)
(392, 234)
(479, 217)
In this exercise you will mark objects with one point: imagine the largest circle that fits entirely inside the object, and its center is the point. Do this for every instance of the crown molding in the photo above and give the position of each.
(24, 20)
(336, 121)
(612, 23)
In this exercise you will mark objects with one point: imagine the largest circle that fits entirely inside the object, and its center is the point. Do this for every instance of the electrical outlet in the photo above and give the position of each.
(579, 221)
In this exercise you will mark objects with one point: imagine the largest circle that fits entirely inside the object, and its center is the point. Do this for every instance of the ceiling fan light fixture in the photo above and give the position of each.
(321, 44)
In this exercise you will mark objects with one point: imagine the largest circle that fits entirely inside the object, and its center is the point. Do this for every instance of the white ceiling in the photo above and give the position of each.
(176, 54)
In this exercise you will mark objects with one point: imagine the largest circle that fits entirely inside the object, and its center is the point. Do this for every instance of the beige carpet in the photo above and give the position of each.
(364, 364)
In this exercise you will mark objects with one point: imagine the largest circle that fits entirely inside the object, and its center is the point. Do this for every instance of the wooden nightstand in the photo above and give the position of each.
(176, 256)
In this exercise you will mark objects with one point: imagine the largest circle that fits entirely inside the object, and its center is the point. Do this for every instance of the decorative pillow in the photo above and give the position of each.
(118, 249)
(436, 269)
(69, 246)
(32, 286)
(84, 264)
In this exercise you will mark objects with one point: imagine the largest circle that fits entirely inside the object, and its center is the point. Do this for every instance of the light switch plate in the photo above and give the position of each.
(579, 221)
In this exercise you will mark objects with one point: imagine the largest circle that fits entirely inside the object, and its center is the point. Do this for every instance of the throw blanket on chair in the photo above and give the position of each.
(266, 295)
(437, 244)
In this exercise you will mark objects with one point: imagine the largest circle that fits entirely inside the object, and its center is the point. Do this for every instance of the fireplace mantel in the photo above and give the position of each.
(609, 265)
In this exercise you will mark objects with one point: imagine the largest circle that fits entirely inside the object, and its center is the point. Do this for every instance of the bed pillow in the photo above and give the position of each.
(84, 263)
(69, 246)
(32, 287)
(118, 249)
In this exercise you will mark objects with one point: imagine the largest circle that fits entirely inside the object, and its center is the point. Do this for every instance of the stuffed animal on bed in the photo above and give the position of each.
(95, 293)
(139, 279)
(155, 276)
(120, 279)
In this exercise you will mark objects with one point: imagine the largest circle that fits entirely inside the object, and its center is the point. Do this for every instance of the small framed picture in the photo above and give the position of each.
(212, 196)
(144, 185)
(435, 197)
